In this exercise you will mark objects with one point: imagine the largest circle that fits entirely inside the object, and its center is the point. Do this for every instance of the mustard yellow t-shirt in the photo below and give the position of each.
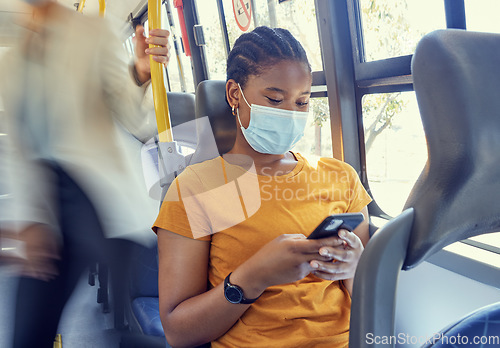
(239, 211)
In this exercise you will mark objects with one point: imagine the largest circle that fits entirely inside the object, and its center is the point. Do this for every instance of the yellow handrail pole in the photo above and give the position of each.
(158, 79)
(58, 341)
(81, 6)
(102, 8)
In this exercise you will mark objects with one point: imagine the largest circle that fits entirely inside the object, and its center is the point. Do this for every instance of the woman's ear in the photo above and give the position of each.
(232, 93)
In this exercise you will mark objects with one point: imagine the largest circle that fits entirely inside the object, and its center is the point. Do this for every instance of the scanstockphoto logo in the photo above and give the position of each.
(436, 339)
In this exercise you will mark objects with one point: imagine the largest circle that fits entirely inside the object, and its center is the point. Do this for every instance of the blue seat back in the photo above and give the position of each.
(144, 316)
(211, 102)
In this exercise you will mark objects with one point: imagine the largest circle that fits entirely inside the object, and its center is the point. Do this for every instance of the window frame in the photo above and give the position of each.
(394, 75)
(381, 76)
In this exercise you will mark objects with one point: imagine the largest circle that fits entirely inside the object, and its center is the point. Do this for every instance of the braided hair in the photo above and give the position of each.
(257, 50)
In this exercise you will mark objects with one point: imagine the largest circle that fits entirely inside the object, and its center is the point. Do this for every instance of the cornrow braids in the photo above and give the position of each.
(262, 47)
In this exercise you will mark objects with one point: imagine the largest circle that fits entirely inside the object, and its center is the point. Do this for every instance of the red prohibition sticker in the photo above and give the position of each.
(242, 10)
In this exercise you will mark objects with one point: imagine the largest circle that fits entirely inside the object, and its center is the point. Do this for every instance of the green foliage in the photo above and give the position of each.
(379, 111)
(320, 110)
(387, 33)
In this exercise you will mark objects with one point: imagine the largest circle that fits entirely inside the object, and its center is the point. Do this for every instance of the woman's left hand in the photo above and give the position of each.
(345, 258)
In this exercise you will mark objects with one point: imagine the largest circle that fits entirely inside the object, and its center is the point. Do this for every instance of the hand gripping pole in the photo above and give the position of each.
(170, 161)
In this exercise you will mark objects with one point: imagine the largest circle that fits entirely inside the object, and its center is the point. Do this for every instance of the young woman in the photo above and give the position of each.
(267, 284)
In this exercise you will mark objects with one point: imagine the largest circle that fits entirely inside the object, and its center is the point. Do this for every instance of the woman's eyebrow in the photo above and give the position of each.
(276, 89)
(279, 90)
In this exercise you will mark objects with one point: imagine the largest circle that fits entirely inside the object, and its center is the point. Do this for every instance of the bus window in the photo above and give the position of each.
(300, 18)
(215, 52)
(179, 73)
(233, 31)
(489, 242)
(482, 15)
(8, 36)
(297, 16)
(180, 65)
(3, 138)
(395, 147)
(129, 47)
(393, 28)
(317, 139)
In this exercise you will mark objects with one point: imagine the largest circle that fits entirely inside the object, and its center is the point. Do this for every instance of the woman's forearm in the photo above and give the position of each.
(205, 317)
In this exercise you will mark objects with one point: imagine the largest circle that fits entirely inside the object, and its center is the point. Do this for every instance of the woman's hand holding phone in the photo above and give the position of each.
(285, 259)
(330, 252)
(345, 256)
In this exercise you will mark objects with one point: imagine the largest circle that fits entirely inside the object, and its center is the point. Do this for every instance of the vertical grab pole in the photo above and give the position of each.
(158, 79)
(81, 6)
(102, 8)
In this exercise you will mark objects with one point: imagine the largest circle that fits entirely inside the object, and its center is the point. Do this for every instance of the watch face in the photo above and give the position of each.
(233, 295)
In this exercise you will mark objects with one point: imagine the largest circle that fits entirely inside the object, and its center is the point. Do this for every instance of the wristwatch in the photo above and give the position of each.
(234, 293)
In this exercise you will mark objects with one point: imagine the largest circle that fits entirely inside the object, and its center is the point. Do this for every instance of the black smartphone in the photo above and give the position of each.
(331, 225)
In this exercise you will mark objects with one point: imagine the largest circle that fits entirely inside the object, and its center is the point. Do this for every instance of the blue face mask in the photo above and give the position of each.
(271, 130)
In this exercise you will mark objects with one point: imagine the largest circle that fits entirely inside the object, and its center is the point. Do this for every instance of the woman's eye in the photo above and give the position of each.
(302, 103)
(274, 101)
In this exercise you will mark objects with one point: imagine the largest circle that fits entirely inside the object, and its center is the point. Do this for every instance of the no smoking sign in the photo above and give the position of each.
(242, 10)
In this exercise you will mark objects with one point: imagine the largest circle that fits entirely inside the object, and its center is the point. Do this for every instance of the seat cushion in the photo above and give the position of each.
(144, 272)
(147, 313)
(479, 329)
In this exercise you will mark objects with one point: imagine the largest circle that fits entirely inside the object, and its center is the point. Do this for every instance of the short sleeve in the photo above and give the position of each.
(174, 216)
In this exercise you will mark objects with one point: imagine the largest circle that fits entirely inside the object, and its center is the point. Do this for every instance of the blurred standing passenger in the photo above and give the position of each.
(68, 95)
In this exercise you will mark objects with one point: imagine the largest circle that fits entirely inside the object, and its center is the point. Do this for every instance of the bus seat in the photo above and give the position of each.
(483, 324)
(142, 311)
(211, 102)
(456, 80)
(181, 107)
(181, 110)
(144, 292)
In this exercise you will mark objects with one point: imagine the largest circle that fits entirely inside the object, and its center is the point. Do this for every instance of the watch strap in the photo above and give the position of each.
(243, 300)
